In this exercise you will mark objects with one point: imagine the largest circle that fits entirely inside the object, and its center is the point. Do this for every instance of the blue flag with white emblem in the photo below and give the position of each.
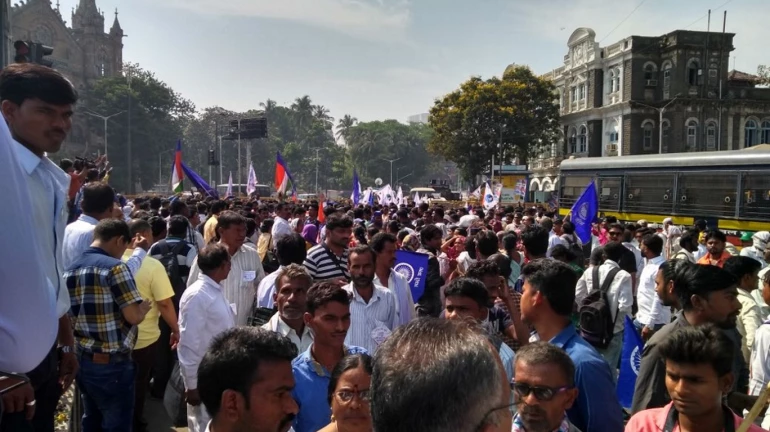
(630, 360)
(413, 267)
(584, 212)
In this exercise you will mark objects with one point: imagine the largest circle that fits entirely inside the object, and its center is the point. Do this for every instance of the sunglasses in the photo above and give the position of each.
(542, 393)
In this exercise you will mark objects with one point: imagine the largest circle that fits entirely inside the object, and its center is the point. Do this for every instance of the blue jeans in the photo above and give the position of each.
(639, 326)
(107, 392)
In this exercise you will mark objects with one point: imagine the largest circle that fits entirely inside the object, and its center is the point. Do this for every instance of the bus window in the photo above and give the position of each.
(649, 193)
(610, 189)
(756, 195)
(712, 193)
(571, 188)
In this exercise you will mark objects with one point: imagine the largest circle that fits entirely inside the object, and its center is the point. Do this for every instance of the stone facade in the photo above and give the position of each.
(611, 99)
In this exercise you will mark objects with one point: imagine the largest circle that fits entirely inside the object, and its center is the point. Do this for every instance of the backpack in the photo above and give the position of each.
(596, 323)
(168, 257)
(575, 248)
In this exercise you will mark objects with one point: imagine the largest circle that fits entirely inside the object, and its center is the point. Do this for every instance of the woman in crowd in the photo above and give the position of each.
(349, 395)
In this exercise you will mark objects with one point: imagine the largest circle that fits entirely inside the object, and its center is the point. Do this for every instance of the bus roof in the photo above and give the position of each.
(744, 157)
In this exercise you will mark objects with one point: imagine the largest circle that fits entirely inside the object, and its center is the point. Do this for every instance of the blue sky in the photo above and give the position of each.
(379, 59)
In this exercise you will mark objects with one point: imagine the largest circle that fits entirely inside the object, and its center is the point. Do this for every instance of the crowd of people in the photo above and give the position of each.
(284, 315)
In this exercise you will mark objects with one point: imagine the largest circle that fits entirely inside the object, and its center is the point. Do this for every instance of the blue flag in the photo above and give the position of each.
(356, 195)
(584, 212)
(630, 360)
(198, 182)
(414, 268)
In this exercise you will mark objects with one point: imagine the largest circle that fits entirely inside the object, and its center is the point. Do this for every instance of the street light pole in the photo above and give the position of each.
(130, 163)
(316, 169)
(105, 118)
(391, 168)
(660, 110)
(240, 173)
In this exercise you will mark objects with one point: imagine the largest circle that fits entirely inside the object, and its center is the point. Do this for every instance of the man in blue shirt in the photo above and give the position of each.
(328, 315)
(546, 303)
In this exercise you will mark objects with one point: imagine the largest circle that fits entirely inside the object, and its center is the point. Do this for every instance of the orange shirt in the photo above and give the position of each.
(75, 183)
(706, 259)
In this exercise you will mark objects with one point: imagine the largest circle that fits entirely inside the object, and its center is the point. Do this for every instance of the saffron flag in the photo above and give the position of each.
(584, 212)
(251, 183)
(630, 360)
(413, 267)
(355, 196)
(229, 193)
(283, 177)
(177, 175)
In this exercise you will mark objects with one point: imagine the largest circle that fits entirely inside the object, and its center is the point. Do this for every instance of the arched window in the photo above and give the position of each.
(613, 89)
(693, 72)
(766, 132)
(649, 72)
(711, 135)
(666, 79)
(572, 141)
(752, 133)
(647, 130)
(583, 140)
(692, 135)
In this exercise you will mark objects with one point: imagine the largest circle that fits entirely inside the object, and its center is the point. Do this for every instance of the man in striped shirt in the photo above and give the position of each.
(329, 260)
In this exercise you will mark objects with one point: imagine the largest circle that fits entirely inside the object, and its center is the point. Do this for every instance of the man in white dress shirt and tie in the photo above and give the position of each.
(204, 312)
(372, 308)
(290, 296)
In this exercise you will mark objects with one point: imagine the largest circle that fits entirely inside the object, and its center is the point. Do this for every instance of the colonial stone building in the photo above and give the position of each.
(83, 52)
(611, 99)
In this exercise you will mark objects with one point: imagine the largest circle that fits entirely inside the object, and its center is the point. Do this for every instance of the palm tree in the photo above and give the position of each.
(269, 105)
(321, 113)
(344, 126)
(303, 108)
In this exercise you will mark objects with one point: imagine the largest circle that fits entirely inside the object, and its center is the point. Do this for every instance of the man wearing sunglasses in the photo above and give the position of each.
(544, 389)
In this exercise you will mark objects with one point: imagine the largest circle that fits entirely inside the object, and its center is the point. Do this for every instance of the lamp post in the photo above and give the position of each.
(160, 165)
(391, 168)
(660, 110)
(105, 118)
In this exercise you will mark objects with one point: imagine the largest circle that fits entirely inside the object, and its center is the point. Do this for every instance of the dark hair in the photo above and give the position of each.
(218, 206)
(97, 198)
(486, 242)
(337, 220)
(562, 253)
(439, 212)
(614, 251)
(672, 268)
(66, 164)
(177, 226)
(472, 288)
(227, 218)
(176, 207)
(688, 237)
(597, 256)
(380, 239)
(291, 249)
(700, 225)
(430, 232)
(251, 226)
(349, 362)
(479, 269)
(716, 235)
(654, 243)
(108, 229)
(393, 226)
(509, 241)
(540, 352)
(363, 250)
(212, 256)
(568, 228)
(703, 344)
(233, 360)
(503, 264)
(700, 280)
(22, 81)
(555, 280)
(617, 226)
(159, 227)
(136, 226)
(322, 293)
(535, 240)
(740, 266)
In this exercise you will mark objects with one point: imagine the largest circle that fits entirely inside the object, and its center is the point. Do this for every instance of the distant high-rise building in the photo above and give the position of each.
(418, 118)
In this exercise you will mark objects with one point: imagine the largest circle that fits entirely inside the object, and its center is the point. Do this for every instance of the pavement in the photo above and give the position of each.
(156, 416)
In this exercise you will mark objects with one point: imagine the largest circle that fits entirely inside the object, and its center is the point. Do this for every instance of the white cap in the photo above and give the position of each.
(668, 221)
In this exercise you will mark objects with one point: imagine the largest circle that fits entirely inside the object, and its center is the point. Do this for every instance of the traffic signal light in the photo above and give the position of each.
(39, 53)
(22, 52)
(212, 158)
(30, 52)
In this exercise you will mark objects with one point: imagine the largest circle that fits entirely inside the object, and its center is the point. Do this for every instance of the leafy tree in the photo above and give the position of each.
(763, 71)
(512, 117)
(344, 126)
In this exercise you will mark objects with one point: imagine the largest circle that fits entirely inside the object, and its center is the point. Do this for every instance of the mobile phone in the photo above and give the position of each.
(10, 381)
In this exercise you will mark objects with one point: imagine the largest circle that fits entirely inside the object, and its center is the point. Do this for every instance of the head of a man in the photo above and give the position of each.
(710, 293)
(339, 229)
(466, 299)
(37, 103)
(535, 241)
(486, 244)
(699, 363)
(328, 314)
(384, 246)
(488, 273)
(245, 381)
(98, 200)
(548, 292)
(427, 359)
(112, 236)
(544, 387)
(715, 242)
(140, 227)
(290, 294)
(665, 279)
(652, 246)
(283, 210)
(214, 261)
(231, 228)
(745, 270)
(178, 226)
(431, 236)
(689, 240)
(291, 249)
(361, 265)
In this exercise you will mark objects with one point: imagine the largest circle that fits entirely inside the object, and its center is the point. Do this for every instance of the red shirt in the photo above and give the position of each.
(75, 183)
(654, 420)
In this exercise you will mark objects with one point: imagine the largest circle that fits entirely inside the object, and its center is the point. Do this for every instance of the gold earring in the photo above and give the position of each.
(333, 419)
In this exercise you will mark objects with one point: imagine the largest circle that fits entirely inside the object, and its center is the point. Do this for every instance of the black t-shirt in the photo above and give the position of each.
(627, 262)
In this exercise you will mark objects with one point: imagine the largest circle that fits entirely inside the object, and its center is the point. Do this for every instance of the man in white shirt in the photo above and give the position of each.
(760, 353)
(290, 296)
(757, 249)
(384, 246)
(240, 287)
(620, 296)
(291, 249)
(745, 270)
(373, 308)
(281, 226)
(652, 314)
(97, 203)
(203, 313)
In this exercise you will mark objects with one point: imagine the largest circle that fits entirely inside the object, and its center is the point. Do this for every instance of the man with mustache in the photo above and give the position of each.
(707, 295)
(290, 296)
(245, 381)
(544, 389)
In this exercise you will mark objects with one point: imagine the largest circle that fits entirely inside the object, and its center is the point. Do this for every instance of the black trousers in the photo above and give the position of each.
(164, 362)
(144, 359)
(45, 380)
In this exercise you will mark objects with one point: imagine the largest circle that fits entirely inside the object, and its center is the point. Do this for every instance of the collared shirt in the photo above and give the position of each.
(100, 286)
(311, 387)
(760, 359)
(554, 240)
(637, 256)
(203, 313)
(266, 289)
(281, 228)
(565, 426)
(404, 300)
(323, 264)
(278, 325)
(48, 187)
(686, 255)
(372, 322)
(78, 237)
(654, 420)
(651, 310)
(749, 320)
(620, 294)
(706, 259)
(153, 285)
(240, 287)
(596, 408)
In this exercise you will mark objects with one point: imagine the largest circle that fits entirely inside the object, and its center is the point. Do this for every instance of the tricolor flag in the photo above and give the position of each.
(229, 193)
(283, 177)
(177, 175)
(251, 183)
(355, 196)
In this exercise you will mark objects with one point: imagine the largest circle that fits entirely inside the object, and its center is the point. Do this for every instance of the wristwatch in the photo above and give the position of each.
(66, 349)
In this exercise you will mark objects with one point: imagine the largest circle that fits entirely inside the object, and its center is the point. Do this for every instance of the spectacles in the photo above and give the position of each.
(345, 396)
(542, 393)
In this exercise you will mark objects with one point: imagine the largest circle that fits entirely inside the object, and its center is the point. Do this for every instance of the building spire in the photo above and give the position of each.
(116, 29)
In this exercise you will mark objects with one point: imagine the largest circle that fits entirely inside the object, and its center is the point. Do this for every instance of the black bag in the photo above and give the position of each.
(596, 322)
(170, 262)
(270, 262)
(576, 249)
